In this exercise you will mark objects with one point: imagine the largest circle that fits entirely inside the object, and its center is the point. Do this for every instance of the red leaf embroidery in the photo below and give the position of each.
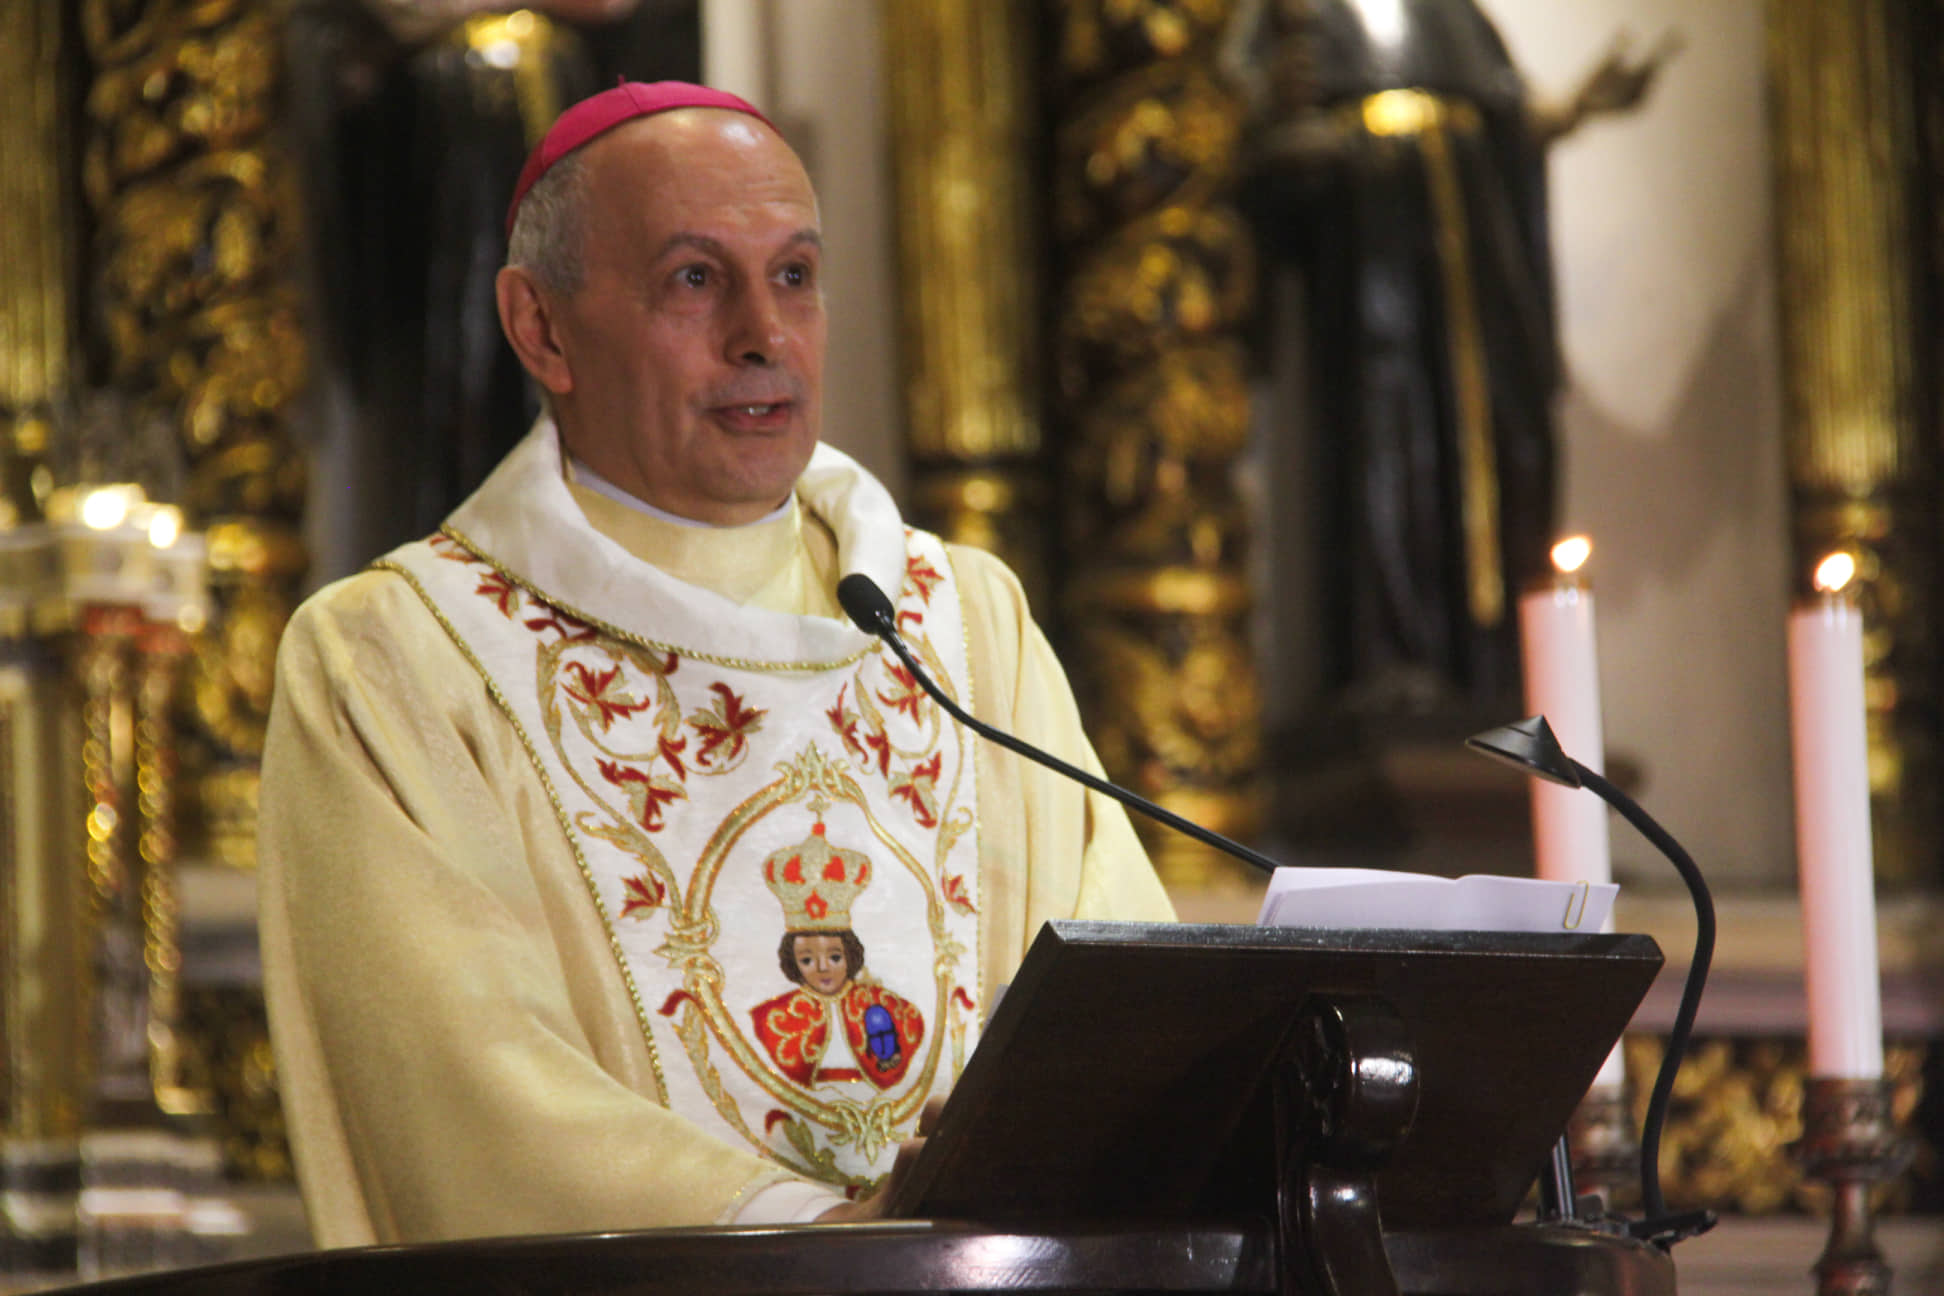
(570, 628)
(593, 689)
(671, 750)
(957, 896)
(502, 591)
(922, 575)
(645, 892)
(917, 787)
(725, 728)
(448, 548)
(878, 741)
(908, 694)
(844, 721)
(646, 796)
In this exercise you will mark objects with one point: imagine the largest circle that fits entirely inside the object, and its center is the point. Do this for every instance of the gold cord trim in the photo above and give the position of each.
(613, 631)
(553, 799)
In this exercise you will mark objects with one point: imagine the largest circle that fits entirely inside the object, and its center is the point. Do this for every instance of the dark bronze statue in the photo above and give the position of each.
(416, 116)
(1398, 159)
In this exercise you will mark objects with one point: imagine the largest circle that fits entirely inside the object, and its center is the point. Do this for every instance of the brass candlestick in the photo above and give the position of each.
(1850, 1142)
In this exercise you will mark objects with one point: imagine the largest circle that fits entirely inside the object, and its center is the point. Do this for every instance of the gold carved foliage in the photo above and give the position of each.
(174, 80)
(1097, 38)
(197, 244)
(196, 212)
(1187, 707)
(1182, 274)
(1167, 133)
(1736, 1116)
(1157, 446)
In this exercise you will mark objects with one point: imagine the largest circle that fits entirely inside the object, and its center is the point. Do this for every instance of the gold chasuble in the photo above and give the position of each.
(612, 879)
(731, 811)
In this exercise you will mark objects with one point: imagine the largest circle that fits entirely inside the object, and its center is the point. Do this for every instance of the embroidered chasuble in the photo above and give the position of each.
(611, 877)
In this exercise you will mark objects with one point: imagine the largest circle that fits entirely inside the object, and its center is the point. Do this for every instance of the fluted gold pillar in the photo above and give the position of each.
(959, 74)
(36, 256)
(1157, 279)
(195, 259)
(43, 969)
(1862, 463)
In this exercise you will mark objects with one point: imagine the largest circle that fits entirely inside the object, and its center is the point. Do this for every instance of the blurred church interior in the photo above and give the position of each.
(1273, 342)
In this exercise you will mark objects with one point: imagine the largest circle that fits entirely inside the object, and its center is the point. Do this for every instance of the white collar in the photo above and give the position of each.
(581, 475)
(524, 520)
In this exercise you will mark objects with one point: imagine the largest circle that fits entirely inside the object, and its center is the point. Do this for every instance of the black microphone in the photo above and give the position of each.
(872, 613)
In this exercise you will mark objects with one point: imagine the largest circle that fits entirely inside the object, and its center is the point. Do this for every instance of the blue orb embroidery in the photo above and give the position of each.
(880, 1034)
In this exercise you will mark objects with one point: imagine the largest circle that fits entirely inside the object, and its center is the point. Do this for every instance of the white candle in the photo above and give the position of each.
(1832, 798)
(1562, 683)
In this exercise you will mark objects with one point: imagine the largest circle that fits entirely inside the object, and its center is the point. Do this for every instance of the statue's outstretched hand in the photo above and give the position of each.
(1620, 81)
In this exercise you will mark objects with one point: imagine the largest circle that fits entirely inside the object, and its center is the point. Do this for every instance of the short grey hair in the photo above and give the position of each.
(550, 230)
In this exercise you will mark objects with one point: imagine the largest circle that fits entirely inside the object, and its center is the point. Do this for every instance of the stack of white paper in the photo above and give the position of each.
(1380, 898)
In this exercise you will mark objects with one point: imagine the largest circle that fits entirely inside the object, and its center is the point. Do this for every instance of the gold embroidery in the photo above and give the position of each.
(560, 816)
(871, 1125)
(970, 702)
(628, 724)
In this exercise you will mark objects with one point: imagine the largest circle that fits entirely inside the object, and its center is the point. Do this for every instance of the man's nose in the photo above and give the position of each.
(756, 335)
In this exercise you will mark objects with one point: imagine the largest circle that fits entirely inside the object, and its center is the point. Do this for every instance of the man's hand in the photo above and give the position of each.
(885, 1203)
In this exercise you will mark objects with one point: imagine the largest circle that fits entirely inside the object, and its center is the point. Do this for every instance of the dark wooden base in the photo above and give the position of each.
(919, 1256)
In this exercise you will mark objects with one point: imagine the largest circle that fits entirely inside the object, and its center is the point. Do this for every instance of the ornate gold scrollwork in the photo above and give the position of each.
(1154, 404)
(1736, 1117)
(197, 215)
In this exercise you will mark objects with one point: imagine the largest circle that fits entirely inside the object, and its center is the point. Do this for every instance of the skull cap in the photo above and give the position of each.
(600, 113)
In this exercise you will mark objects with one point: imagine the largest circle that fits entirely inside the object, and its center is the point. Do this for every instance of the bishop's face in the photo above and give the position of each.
(822, 962)
(694, 349)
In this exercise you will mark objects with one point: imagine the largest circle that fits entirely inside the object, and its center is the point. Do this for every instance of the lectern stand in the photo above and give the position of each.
(1182, 1108)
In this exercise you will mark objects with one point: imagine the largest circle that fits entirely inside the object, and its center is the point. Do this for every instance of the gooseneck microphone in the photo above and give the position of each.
(871, 611)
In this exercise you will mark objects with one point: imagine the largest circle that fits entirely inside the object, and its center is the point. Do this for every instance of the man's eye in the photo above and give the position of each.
(693, 276)
(796, 276)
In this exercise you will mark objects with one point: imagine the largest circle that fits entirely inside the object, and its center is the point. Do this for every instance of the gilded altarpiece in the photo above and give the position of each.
(964, 125)
(193, 273)
(1151, 409)
(1849, 94)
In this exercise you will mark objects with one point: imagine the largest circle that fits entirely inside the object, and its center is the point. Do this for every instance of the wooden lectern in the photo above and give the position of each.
(1179, 1108)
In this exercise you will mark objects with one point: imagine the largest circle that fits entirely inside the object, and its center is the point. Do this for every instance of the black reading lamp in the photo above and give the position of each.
(1530, 746)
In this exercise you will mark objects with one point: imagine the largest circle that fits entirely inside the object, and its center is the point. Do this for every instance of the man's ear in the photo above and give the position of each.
(527, 320)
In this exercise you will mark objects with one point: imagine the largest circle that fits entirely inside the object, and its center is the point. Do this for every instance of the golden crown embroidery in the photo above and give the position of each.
(784, 855)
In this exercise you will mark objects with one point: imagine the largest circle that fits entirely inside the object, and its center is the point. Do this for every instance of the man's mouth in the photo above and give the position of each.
(756, 414)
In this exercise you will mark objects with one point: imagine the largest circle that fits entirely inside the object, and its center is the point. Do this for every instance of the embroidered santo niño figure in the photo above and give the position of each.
(816, 882)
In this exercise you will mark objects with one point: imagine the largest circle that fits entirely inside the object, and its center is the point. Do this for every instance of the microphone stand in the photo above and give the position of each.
(1531, 747)
(867, 606)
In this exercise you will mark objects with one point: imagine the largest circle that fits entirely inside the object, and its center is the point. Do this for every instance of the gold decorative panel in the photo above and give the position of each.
(195, 254)
(963, 137)
(1152, 410)
(1862, 460)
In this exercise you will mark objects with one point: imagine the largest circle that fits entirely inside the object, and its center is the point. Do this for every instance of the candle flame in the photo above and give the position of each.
(105, 508)
(1834, 572)
(165, 526)
(1570, 554)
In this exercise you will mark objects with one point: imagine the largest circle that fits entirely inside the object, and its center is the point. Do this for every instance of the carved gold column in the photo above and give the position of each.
(1153, 410)
(42, 967)
(43, 921)
(959, 77)
(1861, 460)
(36, 259)
(196, 252)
